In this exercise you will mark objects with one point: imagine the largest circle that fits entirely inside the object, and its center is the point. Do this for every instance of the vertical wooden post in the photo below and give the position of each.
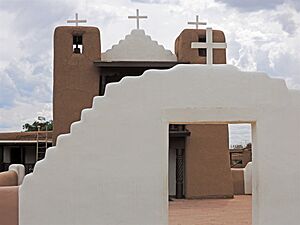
(179, 173)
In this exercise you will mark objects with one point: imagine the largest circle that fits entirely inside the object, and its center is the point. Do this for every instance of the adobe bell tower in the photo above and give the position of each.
(201, 46)
(76, 79)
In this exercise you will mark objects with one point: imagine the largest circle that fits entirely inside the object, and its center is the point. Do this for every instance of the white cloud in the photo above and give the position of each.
(8, 89)
(12, 119)
(254, 5)
(156, 1)
(26, 59)
(240, 134)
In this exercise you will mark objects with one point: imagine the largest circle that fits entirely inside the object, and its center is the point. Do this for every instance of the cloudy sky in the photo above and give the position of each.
(262, 35)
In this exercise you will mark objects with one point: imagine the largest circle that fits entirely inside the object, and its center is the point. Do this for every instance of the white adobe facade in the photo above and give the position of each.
(137, 46)
(123, 182)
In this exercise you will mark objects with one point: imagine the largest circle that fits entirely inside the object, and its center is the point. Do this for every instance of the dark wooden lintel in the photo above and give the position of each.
(136, 64)
(183, 133)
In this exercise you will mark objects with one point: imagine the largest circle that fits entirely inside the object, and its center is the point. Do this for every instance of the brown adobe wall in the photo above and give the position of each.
(207, 168)
(76, 79)
(31, 135)
(8, 178)
(9, 205)
(238, 181)
(185, 53)
(245, 156)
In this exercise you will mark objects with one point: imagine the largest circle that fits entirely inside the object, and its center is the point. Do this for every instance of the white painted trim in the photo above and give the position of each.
(248, 178)
(138, 46)
(20, 170)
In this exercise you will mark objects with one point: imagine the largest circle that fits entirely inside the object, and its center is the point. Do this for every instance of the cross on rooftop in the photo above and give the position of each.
(209, 45)
(137, 17)
(197, 23)
(76, 21)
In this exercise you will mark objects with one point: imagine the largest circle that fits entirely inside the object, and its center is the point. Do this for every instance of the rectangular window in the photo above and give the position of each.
(202, 51)
(16, 155)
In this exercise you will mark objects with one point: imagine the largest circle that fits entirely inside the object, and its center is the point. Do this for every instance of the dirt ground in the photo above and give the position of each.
(235, 211)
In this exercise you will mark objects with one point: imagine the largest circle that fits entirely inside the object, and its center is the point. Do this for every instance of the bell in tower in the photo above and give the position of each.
(77, 44)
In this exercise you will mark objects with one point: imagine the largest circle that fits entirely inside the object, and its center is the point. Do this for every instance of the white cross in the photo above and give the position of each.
(209, 45)
(197, 23)
(137, 17)
(76, 21)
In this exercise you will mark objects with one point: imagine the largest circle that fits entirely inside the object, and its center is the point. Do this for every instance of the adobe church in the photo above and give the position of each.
(145, 137)
(199, 164)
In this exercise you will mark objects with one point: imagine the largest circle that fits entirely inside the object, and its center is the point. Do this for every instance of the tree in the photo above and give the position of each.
(34, 126)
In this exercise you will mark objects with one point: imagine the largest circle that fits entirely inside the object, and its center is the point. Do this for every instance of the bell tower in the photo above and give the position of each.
(76, 79)
(201, 46)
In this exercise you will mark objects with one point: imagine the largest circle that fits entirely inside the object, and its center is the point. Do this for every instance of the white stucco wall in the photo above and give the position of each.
(248, 178)
(20, 171)
(113, 167)
(138, 46)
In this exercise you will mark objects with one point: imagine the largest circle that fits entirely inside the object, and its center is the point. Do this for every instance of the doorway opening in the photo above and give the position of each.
(16, 155)
(240, 145)
(208, 167)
